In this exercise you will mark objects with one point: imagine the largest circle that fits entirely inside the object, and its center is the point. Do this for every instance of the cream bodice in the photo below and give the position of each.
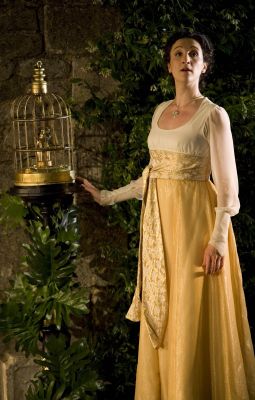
(190, 138)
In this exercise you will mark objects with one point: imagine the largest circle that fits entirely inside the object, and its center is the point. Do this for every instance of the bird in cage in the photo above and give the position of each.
(43, 157)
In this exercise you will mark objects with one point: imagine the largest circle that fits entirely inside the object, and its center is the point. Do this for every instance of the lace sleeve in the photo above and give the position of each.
(224, 175)
(134, 190)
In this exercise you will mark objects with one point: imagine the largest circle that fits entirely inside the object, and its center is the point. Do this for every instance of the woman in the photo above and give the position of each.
(195, 341)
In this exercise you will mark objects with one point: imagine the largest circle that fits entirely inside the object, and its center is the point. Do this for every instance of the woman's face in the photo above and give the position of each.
(186, 60)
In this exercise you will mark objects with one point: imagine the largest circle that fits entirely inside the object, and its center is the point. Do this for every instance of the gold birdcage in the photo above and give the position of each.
(43, 137)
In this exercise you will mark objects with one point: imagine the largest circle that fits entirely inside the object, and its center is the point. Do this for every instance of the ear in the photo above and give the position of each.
(169, 68)
(204, 68)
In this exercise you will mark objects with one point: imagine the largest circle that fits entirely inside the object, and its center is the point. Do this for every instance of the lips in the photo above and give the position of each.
(186, 70)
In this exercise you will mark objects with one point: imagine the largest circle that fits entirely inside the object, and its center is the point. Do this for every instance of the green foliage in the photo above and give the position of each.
(66, 373)
(42, 300)
(45, 292)
(12, 211)
(133, 56)
(51, 255)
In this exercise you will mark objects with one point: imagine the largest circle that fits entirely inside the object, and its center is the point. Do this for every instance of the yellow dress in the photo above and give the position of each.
(195, 341)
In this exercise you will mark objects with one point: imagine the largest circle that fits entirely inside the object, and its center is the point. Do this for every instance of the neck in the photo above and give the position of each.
(185, 93)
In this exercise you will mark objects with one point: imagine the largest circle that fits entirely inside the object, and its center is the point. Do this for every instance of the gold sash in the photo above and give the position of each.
(151, 290)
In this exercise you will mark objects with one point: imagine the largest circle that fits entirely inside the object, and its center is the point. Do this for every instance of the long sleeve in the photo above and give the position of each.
(224, 176)
(134, 190)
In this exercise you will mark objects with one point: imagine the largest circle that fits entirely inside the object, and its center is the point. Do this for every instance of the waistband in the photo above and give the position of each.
(165, 164)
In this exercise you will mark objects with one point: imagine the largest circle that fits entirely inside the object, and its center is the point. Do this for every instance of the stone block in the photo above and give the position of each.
(14, 87)
(20, 44)
(6, 158)
(66, 3)
(6, 138)
(16, 373)
(33, 3)
(80, 70)
(92, 173)
(6, 69)
(61, 87)
(4, 3)
(107, 86)
(5, 120)
(15, 19)
(101, 86)
(10, 259)
(55, 68)
(7, 178)
(86, 160)
(69, 29)
(99, 130)
(7, 4)
(89, 158)
(86, 275)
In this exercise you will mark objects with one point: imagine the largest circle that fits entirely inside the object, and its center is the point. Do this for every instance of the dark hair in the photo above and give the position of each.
(204, 41)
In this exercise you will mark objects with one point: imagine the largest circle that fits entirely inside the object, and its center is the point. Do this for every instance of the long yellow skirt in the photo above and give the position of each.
(207, 352)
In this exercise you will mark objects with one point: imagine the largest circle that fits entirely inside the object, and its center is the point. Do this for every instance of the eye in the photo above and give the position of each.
(178, 54)
(193, 53)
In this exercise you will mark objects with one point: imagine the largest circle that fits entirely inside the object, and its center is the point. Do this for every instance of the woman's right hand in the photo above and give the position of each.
(213, 262)
(95, 193)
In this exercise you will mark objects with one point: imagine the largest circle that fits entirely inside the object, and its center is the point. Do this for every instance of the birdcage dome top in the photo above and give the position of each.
(39, 106)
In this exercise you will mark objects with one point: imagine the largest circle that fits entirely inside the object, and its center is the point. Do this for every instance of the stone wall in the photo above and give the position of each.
(57, 32)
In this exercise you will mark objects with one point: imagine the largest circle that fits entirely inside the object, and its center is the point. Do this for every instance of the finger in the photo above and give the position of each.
(88, 184)
(218, 265)
(204, 263)
(89, 189)
(211, 265)
(208, 266)
(207, 269)
(84, 183)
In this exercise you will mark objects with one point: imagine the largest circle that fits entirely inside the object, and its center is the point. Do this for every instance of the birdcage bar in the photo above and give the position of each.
(26, 135)
(13, 109)
(69, 141)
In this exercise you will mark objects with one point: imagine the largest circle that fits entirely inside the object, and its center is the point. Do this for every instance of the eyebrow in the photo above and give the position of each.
(192, 47)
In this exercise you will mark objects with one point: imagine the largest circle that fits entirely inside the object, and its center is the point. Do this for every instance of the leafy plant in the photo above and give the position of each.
(12, 211)
(38, 308)
(66, 372)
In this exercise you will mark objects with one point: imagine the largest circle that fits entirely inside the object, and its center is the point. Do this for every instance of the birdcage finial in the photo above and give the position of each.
(39, 85)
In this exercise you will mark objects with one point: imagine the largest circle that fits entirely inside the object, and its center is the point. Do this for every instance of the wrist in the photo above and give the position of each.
(106, 198)
(219, 237)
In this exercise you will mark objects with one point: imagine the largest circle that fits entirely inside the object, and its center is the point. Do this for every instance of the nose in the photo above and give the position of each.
(186, 58)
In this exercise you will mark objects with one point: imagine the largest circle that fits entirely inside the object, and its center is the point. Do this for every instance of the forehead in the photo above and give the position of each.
(187, 44)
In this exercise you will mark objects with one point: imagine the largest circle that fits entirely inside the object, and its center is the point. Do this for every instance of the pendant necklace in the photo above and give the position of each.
(177, 111)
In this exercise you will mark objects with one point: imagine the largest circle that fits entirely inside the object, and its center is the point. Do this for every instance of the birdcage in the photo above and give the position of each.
(43, 137)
